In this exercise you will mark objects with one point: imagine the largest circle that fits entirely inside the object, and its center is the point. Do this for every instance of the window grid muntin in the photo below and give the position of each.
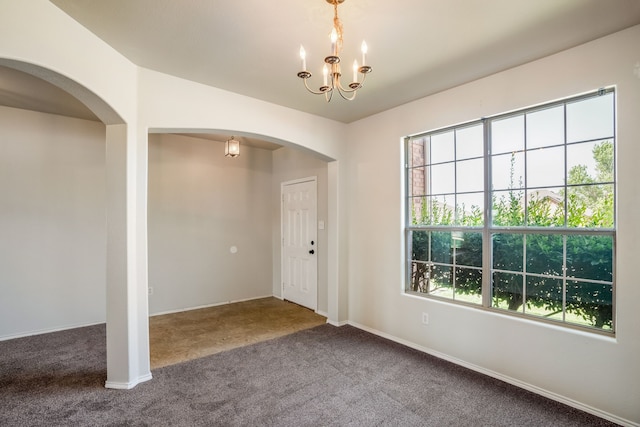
(488, 229)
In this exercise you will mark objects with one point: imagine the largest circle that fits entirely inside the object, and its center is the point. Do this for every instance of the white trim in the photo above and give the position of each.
(322, 313)
(298, 181)
(180, 310)
(47, 331)
(526, 386)
(338, 324)
(127, 386)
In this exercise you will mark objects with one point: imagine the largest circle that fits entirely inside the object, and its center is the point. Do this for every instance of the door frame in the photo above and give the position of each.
(283, 184)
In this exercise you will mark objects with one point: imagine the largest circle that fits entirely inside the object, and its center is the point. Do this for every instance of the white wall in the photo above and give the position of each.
(596, 373)
(52, 222)
(202, 203)
(290, 164)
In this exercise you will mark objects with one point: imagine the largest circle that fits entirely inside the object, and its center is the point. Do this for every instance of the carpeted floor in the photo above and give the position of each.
(322, 376)
(191, 334)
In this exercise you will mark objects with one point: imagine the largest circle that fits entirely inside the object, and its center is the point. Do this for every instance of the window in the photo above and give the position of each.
(516, 212)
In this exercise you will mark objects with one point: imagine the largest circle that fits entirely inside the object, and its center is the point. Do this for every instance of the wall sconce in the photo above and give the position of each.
(232, 148)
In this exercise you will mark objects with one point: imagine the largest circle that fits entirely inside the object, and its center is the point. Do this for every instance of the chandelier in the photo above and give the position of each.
(331, 69)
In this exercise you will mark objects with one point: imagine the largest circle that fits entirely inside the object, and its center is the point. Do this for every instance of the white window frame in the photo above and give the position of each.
(488, 229)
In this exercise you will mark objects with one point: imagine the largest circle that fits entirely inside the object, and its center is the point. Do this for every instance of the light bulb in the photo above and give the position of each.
(364, 52)
(355, 70)
(303, 57)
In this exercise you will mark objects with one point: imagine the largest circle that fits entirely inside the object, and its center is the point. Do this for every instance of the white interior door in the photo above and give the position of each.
(300, 243)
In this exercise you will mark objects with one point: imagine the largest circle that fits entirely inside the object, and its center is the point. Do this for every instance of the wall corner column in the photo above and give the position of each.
(337, 248)
(127, 305)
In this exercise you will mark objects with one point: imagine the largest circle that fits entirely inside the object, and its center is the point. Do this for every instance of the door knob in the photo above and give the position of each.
(312, 252)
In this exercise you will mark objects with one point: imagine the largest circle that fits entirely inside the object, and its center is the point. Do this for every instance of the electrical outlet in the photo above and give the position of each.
(150, 290)
(425, 318)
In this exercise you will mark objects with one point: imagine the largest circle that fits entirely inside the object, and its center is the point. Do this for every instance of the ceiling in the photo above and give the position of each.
(250, 47)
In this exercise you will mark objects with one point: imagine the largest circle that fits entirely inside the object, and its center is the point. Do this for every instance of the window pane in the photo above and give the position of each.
(507, 171)
(419, 277)
(441, 283)
(416, 154)
(590, 118)
(507, 291)
(545, 207)
(590, 257)
(468, 248)
(442, 210)
(590, 304)
(442, 148)
(545, 167)
(545, 254)
(545, 127)
(419, 245)
(442, 178)
(590, 206)
(507, 135)
(469, 142)
(508, 251)
(469, 209)
(508, 208)
(590, 162)
(470, 175)
(420, 213)
(416, 180)
(468, 286)
(544, 297)
(441, 247)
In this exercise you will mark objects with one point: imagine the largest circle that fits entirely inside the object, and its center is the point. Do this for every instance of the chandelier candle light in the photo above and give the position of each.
(331, 69)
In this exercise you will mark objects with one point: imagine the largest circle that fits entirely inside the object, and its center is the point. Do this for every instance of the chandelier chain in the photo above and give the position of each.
(337, 24)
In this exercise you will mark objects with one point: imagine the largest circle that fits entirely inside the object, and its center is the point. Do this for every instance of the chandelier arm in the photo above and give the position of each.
(352, 89)
(361, 83)
(345, 90)
(316, 92)
(348, 98)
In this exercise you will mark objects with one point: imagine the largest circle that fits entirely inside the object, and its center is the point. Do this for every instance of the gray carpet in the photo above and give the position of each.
(323, 376)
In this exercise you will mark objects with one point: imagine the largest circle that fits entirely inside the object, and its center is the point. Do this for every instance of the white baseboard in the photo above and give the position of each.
(127, 386)
(338, 324)
(48, 330)
(534, 389)
(180, 310)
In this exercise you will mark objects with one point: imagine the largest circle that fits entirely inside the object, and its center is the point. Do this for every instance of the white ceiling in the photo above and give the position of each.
(416, 47)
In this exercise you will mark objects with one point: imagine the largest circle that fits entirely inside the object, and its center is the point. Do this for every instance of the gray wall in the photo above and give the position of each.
(202, 203)
(52, 222)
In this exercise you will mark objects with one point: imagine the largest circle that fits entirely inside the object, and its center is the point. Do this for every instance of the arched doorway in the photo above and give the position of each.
(119, 254)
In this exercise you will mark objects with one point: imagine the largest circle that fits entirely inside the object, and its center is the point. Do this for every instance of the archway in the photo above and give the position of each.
(125, 356)
(297, 154)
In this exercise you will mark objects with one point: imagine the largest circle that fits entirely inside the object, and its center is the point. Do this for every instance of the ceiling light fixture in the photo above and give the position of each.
(232, 147)
(331, 69)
